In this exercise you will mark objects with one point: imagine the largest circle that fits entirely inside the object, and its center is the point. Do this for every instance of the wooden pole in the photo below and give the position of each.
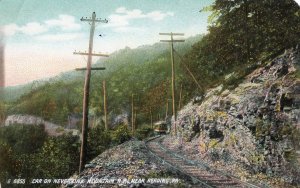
(2, 66)
(85, 112)
(86, 98)
(135, 124)
(173, 84)
(105, 105)
(151, 117)
(2, 79)
(173, 73)
(132, 114)
(167, 108)
(180, 97)
(246, 30)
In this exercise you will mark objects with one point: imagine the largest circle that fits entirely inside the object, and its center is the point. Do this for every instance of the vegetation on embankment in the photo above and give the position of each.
(28, 152)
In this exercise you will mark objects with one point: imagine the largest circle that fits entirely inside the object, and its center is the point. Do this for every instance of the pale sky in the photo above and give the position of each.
(41, 36)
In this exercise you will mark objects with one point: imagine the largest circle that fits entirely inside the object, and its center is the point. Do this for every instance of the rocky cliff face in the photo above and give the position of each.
(255, 125)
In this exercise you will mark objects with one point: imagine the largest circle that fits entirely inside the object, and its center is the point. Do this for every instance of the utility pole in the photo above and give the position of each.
(135, 115)
(2, 70)
(173, 71)
(180, 97)
(132, 114)
(105, 105)
(151, 118)
(167, 108)
(92, 21)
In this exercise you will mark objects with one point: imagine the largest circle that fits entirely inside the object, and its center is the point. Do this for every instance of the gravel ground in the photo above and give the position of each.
(127, 165)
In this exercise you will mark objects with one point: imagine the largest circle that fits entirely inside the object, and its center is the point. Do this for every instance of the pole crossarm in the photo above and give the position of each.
(178, 34)
(172, 34)
(94, 68)
(95, 20)
(92, 54)
(172, 40)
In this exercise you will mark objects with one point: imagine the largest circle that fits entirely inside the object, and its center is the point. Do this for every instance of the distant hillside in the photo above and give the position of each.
(144, 71)
(12, 93)
(145, 53)
(124, 56)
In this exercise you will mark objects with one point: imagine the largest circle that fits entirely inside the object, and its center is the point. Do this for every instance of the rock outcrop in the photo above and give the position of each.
(51, 128)
(255, 125)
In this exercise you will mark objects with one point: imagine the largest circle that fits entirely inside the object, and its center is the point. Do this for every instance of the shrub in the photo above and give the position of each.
(98, 140)
(58, 158)
(144, 132)
(23, 138)
(120, 134)
(8, 163)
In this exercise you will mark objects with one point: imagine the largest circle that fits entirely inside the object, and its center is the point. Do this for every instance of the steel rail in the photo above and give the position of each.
(173, 167)
(200, 165)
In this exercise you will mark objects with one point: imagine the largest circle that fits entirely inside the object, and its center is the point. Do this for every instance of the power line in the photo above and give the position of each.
(189, 71)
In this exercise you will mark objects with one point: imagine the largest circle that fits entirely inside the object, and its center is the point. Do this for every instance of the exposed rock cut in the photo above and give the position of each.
(255, 125)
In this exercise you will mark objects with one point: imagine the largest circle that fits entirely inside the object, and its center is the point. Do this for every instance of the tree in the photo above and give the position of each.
(242, 32)
(2, 113)
(58, 158)
(23, 139)
(8, 163)
(98, 140)
(247, 28)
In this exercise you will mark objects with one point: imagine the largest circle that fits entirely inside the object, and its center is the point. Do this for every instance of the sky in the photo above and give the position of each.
(41, 36)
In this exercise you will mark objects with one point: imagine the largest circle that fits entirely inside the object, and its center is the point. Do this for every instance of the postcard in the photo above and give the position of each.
(138, 93)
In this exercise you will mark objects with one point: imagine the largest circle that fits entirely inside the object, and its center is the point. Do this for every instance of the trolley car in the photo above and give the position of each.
(160, 127)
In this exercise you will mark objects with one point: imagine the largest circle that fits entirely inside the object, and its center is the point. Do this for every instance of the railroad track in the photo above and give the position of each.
(200, 174)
